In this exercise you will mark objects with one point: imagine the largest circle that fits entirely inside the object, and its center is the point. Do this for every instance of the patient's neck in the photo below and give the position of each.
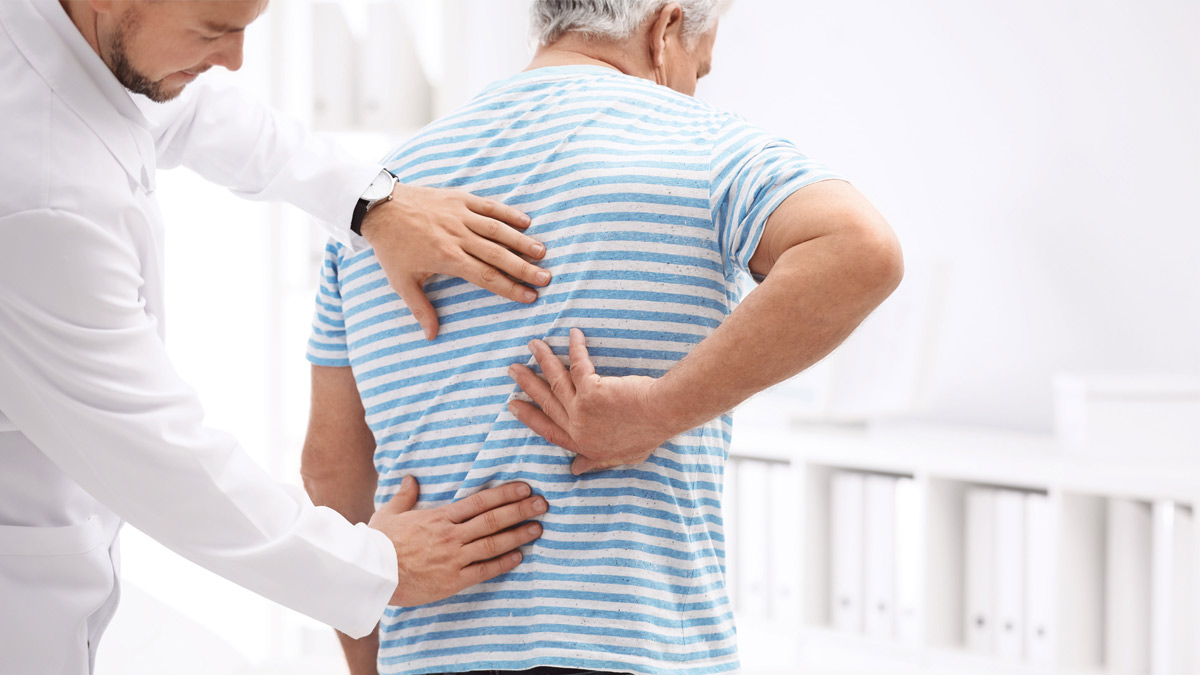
(576, 50)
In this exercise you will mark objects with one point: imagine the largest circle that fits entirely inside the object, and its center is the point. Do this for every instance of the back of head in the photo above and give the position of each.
(615, 19)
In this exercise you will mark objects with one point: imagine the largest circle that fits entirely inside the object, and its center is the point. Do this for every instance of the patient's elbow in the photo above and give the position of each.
(878, 256)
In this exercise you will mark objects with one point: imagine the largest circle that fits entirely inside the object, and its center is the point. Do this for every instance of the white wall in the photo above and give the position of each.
(1049, 149)
(485, 41)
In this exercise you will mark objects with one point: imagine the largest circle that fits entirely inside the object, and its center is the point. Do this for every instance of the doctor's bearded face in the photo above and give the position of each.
(157, 47)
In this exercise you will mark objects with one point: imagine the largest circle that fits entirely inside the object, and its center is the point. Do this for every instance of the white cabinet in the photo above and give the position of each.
(1080, 565)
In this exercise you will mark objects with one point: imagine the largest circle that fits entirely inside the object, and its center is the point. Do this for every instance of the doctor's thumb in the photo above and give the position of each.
(404, 499)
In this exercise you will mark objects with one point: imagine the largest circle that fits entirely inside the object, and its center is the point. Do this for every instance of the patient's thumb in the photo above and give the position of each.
(405, 498)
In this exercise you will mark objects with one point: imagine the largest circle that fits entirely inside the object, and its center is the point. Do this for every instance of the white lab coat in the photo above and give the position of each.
(96, 427)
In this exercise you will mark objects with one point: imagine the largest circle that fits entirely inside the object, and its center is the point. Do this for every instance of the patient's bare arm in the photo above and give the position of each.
(339, 472)
(829, 259)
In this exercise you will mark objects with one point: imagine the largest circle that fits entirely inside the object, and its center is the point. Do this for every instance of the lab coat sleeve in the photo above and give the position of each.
(233, 139)
(84, 374)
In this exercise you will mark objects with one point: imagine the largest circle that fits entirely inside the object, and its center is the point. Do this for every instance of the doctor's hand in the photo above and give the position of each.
(605, 421)
(441, 551)
(425, 231)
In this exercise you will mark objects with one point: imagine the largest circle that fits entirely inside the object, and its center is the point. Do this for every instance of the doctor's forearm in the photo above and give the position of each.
(235, 140)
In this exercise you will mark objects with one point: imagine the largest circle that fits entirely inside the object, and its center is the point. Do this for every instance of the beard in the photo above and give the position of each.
(130, 77)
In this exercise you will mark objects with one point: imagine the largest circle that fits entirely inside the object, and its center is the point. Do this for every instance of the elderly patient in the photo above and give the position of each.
(650, 204)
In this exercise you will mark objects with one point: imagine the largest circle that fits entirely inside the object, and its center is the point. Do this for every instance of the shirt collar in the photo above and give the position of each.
(55, 48)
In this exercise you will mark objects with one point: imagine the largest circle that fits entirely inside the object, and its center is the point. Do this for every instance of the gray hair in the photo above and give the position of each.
(615, 19)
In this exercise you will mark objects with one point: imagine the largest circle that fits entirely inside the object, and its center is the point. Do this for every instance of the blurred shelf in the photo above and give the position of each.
(984, 456)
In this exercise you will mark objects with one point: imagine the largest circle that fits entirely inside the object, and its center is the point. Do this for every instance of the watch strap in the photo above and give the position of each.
(360, 212)
(364, 205)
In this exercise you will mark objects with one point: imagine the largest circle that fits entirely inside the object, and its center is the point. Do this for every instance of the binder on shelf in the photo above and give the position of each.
(846, 550)
(754, 540)
(1184, 615)
(786, 550)
(879, 551)
(979, 576)
(1173, 590)
(1127, 585)
(1041, 589)
(910, 561)
(1010, 575)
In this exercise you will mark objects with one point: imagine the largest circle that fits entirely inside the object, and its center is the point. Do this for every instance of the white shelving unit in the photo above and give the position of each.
(946, 463)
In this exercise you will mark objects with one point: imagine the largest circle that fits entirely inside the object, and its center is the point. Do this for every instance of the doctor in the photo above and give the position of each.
(96, 428)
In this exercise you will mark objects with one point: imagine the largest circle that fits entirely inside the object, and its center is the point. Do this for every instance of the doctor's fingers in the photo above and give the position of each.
(404, 499)
(500, 233)
(506, 261)
(411, 290)
(489, 523)
(499, 544)
(499, 211)
(482, 571)
(485, 500)
(492, 279)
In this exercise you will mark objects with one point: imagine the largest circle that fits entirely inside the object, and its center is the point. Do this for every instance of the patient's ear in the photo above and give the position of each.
(666, 32)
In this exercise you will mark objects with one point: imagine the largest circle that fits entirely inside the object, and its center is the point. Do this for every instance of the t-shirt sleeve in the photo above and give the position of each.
(752, 173)
(327, 346)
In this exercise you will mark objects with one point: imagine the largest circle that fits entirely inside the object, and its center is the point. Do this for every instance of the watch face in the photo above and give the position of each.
(380, 187)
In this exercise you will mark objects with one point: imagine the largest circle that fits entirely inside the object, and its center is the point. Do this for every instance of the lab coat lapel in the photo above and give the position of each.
(54, 47)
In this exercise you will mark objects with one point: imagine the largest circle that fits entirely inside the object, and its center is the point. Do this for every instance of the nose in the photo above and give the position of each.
(229, 55)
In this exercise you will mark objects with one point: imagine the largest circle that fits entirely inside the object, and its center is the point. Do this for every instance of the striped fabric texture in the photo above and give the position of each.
(650, 205)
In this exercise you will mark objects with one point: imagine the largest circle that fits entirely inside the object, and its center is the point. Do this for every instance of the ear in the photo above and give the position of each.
(667, 26)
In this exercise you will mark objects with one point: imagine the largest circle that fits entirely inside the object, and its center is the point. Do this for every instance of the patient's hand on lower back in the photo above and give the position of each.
(605, 421)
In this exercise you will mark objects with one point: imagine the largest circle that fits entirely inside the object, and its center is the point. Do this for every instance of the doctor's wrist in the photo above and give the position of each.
(377, 195)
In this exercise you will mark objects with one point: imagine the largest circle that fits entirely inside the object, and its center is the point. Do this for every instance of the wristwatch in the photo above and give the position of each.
(379, 192)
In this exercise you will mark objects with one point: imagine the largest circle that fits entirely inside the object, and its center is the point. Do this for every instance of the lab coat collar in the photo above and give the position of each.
(53, 45)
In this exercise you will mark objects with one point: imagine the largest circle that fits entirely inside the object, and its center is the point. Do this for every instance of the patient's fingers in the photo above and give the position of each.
(583, 465)
(485, 500)
(581, 363)
(540, 392)
(555, 372)
(542, 425)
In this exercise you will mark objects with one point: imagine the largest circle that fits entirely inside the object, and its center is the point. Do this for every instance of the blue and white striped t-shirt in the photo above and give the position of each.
(650, 204)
